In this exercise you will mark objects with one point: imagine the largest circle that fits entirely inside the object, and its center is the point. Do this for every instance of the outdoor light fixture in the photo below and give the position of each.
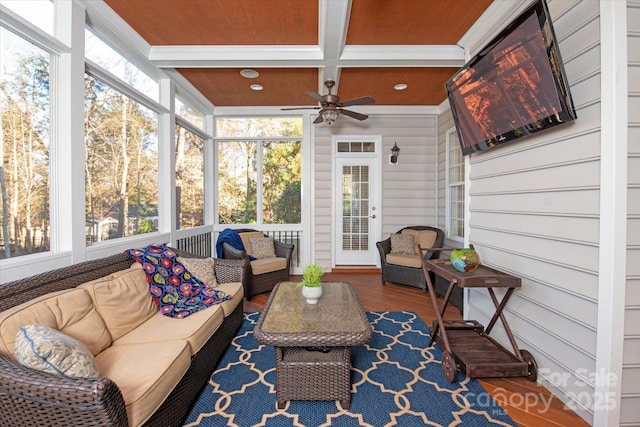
(329, 116)
(395, 151)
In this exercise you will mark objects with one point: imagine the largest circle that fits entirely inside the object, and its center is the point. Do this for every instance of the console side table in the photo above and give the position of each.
(466, 344)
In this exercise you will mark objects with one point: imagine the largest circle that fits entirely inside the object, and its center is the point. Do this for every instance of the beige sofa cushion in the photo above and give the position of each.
(70, 311)
(246, 239)
(236, 290)
(267, 265)
(145, 373)
(404, 260)
(122, 299)
(196, 329)
(424, 238)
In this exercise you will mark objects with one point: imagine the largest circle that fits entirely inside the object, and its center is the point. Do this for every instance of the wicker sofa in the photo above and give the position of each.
(262, 274)
(30, 397)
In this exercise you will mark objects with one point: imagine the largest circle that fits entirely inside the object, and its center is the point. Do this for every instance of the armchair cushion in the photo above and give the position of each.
(424, 238)
(201, 268)
(404, 260)
(46, 349)
(267, 265)
(402, 244)
(262, 247)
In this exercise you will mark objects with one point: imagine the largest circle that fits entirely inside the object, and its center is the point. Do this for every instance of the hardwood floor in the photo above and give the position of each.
(527, 403)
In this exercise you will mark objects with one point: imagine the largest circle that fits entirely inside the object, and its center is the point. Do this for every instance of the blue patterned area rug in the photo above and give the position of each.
(396, 381)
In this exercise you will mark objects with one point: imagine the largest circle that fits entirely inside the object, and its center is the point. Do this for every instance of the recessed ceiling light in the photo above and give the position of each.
(400, 86)
(256, 87)
(249, 73)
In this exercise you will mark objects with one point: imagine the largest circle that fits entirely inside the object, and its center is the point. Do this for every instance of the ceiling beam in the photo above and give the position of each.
(333, 24)
(306, 56)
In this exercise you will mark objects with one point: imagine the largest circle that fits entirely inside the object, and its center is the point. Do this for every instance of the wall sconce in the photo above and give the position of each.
(395, 152)
(329, 116)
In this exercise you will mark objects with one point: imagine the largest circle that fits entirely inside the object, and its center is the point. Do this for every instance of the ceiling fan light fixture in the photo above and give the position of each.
(400, 86)
(248, 73)
(256, 87)
(329, 116)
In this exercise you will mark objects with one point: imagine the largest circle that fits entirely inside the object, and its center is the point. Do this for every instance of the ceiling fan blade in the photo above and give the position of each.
(357, 101)
(316, 96)
(318, 119)
(300, 108)
(353, 114)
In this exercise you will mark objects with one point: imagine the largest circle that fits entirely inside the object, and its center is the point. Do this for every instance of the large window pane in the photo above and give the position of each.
(106, 57)
(237, 183)
(38, 12)
(121, 164)
(189, 179)
(259, 170)
(24, 147)
(281, 182)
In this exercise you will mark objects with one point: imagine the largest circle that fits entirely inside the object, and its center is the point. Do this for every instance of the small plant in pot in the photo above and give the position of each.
(311, 284)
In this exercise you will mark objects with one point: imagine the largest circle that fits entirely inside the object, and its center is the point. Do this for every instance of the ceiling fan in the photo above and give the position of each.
(331, 107)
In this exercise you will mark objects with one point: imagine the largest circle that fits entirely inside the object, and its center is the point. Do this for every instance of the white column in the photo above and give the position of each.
(613, 213)
(68, 151)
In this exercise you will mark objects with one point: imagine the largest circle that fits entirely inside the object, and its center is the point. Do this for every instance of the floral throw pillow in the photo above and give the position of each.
(174, 289)
(402, 244)
(262, 247)
(46, 349)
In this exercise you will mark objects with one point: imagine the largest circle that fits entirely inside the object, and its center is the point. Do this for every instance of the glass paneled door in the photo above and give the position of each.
(357, 213)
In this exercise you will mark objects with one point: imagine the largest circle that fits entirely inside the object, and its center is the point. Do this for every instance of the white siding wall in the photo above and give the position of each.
(630, 410)
(534, 212)
(408, 189)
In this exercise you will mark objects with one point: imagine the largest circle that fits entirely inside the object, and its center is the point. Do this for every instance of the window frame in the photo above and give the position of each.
(453, 145)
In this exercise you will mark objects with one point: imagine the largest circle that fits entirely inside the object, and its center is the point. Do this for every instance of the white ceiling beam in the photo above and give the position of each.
(218, 56)
(418, 55)
(333, 23)
(306, 56)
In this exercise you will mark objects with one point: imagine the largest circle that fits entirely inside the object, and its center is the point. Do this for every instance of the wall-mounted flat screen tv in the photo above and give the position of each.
(514, 87)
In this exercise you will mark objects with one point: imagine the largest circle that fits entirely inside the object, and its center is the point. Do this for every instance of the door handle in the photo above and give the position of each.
(373, 216)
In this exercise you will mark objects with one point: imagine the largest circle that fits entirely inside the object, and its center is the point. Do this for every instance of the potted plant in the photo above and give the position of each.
(311, 284)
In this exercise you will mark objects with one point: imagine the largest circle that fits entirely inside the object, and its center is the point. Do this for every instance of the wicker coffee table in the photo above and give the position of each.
(313, 341)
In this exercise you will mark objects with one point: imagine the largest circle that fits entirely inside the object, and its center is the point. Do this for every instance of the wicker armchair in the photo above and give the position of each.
(409, 271)
(257, 280)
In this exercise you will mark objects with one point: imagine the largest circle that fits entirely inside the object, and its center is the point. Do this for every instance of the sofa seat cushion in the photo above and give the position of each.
(267, 265)
(70, 311)
(123, 299)
(196, 329)
(424, 238)
(236, 290)
(145, 373)
(404, 260)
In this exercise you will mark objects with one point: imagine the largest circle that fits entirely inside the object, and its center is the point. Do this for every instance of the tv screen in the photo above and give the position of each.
(514, 87)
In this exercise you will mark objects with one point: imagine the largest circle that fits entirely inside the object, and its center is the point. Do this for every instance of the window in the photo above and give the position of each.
(121, 164)
(103, 55)
(455, 187)
(189, 178)
(24, 147)
(259, 170)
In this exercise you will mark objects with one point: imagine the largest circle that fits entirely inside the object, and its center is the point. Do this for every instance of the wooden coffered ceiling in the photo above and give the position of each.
(367, 46)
